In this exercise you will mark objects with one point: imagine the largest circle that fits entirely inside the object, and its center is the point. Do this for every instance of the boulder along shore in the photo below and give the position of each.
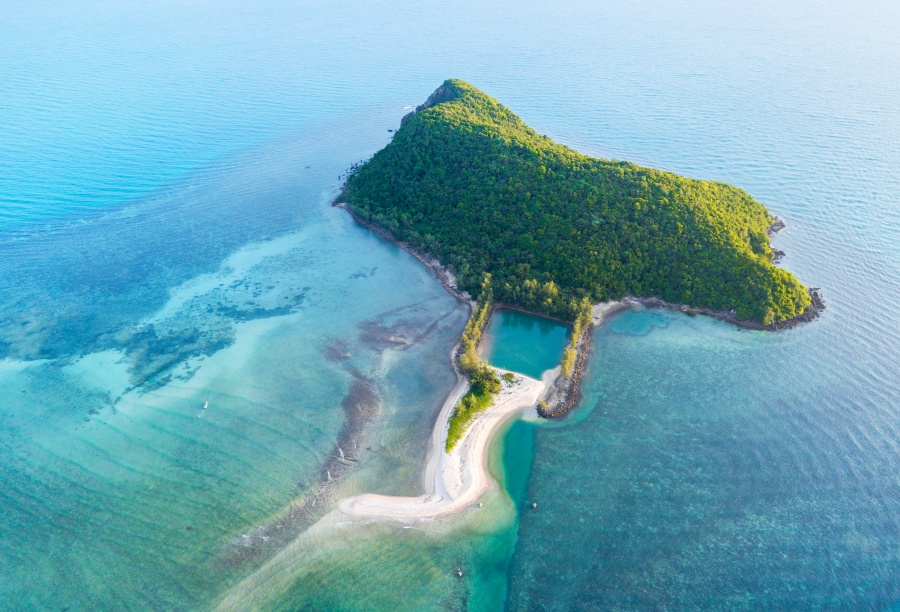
(563, 393)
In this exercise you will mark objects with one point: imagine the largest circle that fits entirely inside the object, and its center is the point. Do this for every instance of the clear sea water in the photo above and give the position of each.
(166, 240)
(524, 343)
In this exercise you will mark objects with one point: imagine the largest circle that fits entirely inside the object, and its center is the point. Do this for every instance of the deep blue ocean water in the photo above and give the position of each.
(166, 240)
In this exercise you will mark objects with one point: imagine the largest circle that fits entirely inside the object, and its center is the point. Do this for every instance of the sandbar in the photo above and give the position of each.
(456, 480)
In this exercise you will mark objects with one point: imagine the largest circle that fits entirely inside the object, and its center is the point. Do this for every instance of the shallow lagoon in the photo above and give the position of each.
(119, 488)
(523, 342)
(152, 152)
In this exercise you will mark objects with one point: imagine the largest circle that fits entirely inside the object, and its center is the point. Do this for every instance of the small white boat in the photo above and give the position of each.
(205, 404)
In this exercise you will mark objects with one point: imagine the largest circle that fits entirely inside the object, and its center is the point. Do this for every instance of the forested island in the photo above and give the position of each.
(466, 181)
(518, 220)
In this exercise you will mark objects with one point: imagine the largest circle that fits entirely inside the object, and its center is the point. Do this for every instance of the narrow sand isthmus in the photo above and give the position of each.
(453, 481)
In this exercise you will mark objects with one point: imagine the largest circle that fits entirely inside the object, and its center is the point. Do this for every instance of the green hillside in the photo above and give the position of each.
(465, 180)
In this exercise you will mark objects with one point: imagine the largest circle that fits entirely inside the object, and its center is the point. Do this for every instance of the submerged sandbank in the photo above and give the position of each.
(455, 480)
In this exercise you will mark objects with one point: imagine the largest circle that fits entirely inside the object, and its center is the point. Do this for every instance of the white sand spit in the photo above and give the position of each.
(453, 481)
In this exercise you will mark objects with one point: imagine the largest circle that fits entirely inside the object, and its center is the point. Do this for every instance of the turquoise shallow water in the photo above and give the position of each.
(524, 343)
(697, 474)
(119, 488)
(166, 240)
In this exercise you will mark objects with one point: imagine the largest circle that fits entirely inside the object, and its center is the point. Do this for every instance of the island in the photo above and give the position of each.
(504, 214)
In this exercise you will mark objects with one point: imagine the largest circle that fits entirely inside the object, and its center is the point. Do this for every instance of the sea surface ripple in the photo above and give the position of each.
(166, 240)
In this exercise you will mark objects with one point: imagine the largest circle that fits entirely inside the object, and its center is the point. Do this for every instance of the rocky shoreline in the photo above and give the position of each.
(437, 269)
(442, 274)
(811, 312)
(563, 394)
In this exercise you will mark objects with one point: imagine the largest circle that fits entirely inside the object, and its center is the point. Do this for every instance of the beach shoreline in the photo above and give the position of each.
(448, 492)
(455, 480)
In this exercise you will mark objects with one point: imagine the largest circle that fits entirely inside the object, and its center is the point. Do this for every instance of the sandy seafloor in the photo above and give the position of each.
(119, 486)
(166, 240)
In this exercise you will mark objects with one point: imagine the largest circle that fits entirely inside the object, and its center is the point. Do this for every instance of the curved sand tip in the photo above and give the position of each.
(454, 481)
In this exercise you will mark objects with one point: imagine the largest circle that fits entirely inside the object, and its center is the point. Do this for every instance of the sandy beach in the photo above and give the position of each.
(456, 480)
(453, 481)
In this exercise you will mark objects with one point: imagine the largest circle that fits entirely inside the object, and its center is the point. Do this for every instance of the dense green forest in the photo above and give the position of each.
(483, 381)
(464, 179)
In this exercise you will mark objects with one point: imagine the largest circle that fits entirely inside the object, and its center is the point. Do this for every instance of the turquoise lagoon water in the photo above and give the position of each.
(523, 342)
(119, 488)
(166, 240)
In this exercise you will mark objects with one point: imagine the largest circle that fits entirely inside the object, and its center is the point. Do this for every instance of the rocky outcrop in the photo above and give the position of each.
(812, 312)
(777, 225)
(444, 93)
(564, 393)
